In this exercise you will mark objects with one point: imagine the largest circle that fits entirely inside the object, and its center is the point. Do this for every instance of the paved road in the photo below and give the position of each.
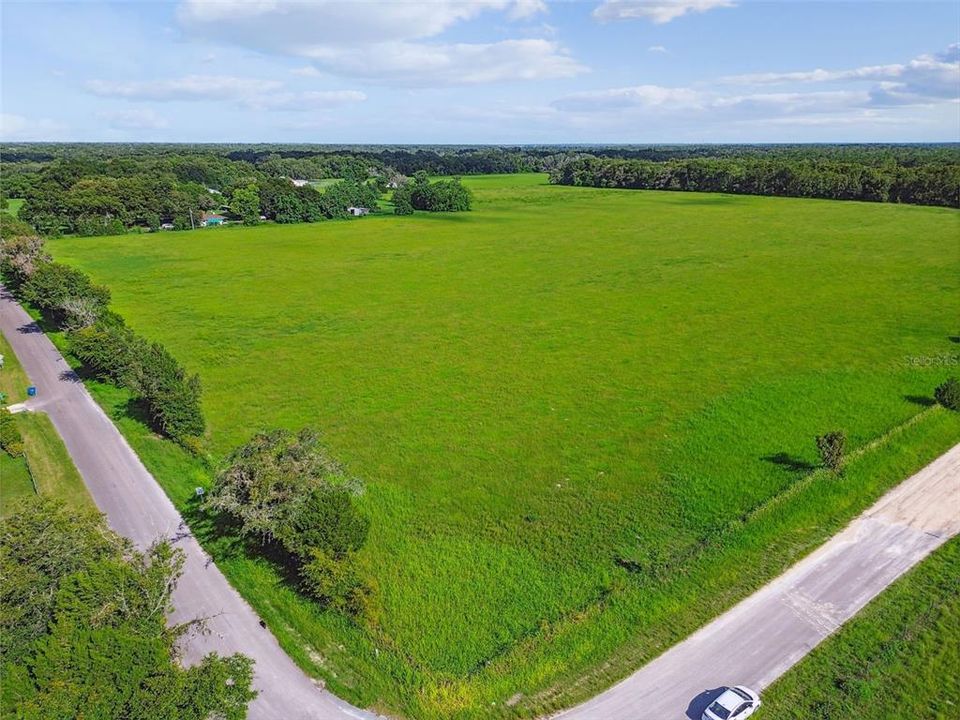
(758, 640)
(136, 507)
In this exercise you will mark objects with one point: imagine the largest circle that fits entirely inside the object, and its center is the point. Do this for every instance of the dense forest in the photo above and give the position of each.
(90, 189)
(930, 182)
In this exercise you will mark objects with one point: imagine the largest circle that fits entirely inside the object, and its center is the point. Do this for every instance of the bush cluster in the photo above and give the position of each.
(172, 397)
(832, 447)
(421, 194)
(66, 295)
(284, 489)
(948, 394)
(10, 439)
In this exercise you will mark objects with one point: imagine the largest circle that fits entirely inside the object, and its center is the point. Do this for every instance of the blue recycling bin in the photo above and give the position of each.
(32, 390)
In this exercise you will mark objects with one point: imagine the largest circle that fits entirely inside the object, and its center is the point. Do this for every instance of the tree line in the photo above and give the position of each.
(100, 339)
(935, 182)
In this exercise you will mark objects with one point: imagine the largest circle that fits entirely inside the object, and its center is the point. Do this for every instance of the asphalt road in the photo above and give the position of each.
(136, 507)
(752, 644)
(758, 640)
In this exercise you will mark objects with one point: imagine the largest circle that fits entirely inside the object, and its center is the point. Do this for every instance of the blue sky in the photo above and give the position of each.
(488, 71)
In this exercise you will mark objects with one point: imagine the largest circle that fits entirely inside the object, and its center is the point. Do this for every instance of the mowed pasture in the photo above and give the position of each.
(585, 417)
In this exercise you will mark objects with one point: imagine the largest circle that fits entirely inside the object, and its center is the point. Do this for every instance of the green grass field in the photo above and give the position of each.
(559, 380)
(13, 206)
(897, 659)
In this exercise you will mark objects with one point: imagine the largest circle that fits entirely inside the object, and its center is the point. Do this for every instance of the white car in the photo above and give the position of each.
(734, 703)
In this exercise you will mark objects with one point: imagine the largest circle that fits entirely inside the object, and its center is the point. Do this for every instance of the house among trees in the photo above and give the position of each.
(211, 220)
(358, 211)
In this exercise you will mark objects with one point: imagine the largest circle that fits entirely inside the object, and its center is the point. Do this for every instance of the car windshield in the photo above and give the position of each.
(720, 711)
(741, 693)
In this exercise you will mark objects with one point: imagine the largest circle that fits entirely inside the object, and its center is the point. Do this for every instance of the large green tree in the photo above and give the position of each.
(246, 204)
(83, 627)
(285, 489)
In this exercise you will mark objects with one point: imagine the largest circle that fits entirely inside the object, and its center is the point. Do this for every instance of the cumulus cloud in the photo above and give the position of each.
(639, 96)
(244, 92)
(655, 101)
(657, 11)
(925, 79)
(423, 65)
(190, 87)
(284, 26)
(390, 42)
(657, 49)
(303, 101)
(306, 71)
(136, 119)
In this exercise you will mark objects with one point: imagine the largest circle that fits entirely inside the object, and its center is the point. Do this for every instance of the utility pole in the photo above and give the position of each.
(192, 226)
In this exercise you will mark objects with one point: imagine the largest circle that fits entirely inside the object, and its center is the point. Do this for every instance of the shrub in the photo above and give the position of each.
(284, 488)
(324, 517)
(336, 583)
(276, 481)
(173, 397)
(113, 351)
(20, 256)
(10, 439)
(948, 394)
(11, 227)
(832, 446)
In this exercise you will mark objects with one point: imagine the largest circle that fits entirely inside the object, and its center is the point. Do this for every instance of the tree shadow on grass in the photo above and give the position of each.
(789, 462)
(954, 338)
(137, 409)
(920, 400)
(221, 537)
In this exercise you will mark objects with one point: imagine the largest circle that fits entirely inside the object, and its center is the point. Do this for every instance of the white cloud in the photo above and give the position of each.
(136, 119)
(657, 49)
(19, 128)
(309, 100)
(244, 92)
(639, 96)
(190, 87)
(523, 9)
(658, 11)
(387, 42)
(424, 65)
(306, 71)
(925, 79)
(281, 25)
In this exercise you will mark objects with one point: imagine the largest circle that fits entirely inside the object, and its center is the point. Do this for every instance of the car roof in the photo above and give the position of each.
(730, 699)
